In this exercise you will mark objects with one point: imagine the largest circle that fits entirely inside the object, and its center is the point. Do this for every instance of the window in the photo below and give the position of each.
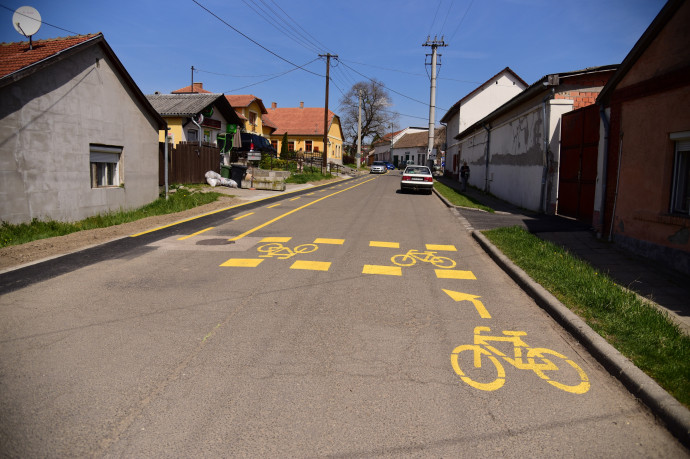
(192, 135)
(274, 144)
(316, 149)
(307, 146)
(252, 119)
(680, 194)
(105, 165)
(291, 145)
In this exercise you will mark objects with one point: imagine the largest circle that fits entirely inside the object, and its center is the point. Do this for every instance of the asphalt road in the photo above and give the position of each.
(296, 327)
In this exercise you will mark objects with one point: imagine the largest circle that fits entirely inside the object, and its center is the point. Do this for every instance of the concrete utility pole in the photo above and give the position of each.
(359, 132)
(324, 161)
(432, 99)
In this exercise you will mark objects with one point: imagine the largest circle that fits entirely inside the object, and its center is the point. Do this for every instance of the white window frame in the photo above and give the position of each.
(105, 169)
(680, 192)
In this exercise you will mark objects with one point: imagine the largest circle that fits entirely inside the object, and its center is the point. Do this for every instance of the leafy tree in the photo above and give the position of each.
(376, 119)
(284, 147)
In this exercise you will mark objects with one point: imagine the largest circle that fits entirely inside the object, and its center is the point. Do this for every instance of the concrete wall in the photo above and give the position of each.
(516, 155)
(47, 122)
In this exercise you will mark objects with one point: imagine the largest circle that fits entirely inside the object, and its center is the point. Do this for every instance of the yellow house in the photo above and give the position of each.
(251, 110)
(304, 126)
(194, 116)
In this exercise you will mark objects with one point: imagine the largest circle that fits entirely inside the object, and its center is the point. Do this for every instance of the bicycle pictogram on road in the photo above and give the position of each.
(546, 363)
(278, 250)
(413, 256)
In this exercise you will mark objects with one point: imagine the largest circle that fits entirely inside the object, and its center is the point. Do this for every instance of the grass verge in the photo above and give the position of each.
(458, 199)
(182, 199)
(309, 175)
(639, 331)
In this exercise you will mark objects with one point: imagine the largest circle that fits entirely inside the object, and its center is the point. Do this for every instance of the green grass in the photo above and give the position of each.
(639, 331)
(309, 175)
(182, 199)
(458, 199)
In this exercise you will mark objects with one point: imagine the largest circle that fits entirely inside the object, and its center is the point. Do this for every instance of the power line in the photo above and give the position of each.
(435, 14)
(254, 41)
(292, 21)
(462, 19)
(274, 77)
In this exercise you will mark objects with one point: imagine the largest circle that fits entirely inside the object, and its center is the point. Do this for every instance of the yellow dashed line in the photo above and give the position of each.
(194, 234)
(446, 248)
(329, 241)
(454, 274)
(242, 216)
(311, 265)
(243, 262)
(274, 205)
(390, 245)
(384, 270)
(276, 239)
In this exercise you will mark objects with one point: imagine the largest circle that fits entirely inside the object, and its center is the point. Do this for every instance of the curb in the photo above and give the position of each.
(661, 403)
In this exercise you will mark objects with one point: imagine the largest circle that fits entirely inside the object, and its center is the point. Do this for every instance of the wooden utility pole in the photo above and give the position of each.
(324, 160)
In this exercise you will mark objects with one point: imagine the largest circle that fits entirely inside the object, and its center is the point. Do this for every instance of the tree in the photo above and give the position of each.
(284, 154)
(376, 119)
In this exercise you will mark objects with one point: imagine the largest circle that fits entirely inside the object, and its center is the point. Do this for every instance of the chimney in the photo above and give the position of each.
(274, 105)
(301, 105)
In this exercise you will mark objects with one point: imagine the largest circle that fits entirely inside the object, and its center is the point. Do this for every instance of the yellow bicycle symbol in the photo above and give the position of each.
(540, 360)
(411, 257)
(276, 249)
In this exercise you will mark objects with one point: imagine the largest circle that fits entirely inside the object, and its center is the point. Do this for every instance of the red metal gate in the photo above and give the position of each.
(578, 165)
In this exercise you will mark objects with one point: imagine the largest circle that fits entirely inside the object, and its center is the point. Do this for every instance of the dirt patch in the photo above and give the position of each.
(46, 248)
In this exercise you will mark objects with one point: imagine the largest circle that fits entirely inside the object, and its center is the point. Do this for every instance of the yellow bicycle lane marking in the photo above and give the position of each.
(280, 217)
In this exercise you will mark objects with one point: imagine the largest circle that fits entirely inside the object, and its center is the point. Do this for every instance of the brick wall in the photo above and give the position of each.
(581, 99)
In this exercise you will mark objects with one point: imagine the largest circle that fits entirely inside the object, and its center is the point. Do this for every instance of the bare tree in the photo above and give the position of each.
(376, 119)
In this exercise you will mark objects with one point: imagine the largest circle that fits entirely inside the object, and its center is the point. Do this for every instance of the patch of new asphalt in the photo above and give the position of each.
(661, 403)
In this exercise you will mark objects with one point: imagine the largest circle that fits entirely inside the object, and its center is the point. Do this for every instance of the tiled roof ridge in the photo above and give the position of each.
(44, 40)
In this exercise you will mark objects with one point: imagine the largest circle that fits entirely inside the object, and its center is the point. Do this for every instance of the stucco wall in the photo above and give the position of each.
(47, 122)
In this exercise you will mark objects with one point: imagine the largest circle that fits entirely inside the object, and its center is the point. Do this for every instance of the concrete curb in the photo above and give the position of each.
(661, 403)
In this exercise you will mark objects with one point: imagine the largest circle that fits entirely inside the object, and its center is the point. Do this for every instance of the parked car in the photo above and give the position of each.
(379, 167)
(254, 142)
(417, 178)
(389, 165)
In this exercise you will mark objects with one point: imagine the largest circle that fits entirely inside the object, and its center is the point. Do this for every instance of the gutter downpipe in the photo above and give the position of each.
(604, 169)
(165, 159)
(198, 126)
(487, 128)
(618, 179)
(545, 156)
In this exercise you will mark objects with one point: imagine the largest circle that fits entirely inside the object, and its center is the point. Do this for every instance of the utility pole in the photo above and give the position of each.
(432, 99)
(359, 132)
(324, 161)
(192, 78)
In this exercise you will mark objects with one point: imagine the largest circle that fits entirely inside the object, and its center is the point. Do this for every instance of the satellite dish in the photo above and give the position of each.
(26, 20)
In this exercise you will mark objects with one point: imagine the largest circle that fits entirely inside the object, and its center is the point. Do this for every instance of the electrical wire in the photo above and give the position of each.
(42, 21)
(462, 19)
(292, 21)
(278, 24)
(254, 41)
(435, 14)
(274, 77)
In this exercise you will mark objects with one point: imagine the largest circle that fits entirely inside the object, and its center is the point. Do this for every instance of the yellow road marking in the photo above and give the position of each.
(454, 274)
(459, 296)
(311, 265)
(242, 216)
(194, 234)
(276, 239)
(274, 205)
(321, 240)
(246, 233)
(445, 248)
(210, 213)
(391, 245)
(384, 270)
(295, 199)
(243, 262)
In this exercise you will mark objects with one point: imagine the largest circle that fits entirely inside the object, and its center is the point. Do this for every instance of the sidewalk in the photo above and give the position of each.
(666, 289)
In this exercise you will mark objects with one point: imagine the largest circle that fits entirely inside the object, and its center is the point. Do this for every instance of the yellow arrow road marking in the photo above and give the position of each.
(459, 296)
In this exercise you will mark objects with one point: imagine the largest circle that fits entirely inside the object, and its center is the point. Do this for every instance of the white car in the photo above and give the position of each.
(417, 178)
(379, 167)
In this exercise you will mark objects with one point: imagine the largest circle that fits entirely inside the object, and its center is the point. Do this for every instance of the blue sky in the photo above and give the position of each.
(159, 41)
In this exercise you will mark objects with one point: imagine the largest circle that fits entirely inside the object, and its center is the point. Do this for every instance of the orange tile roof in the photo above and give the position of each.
(299, 121)
(245, 100)
(16, 56)
(198, 88)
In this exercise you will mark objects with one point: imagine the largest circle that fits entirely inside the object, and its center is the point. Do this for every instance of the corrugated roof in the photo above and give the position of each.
(17, 56)
(187, 105)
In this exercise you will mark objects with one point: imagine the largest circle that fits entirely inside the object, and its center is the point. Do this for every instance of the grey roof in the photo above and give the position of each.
(421, 139)
(182, 104)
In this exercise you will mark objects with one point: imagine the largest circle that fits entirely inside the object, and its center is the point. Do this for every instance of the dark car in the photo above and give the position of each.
(254, 142)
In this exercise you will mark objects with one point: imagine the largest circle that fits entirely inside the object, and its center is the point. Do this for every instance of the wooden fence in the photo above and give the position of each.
(187, 162)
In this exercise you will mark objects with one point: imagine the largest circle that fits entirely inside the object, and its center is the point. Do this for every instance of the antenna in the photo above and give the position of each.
(26, 20)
